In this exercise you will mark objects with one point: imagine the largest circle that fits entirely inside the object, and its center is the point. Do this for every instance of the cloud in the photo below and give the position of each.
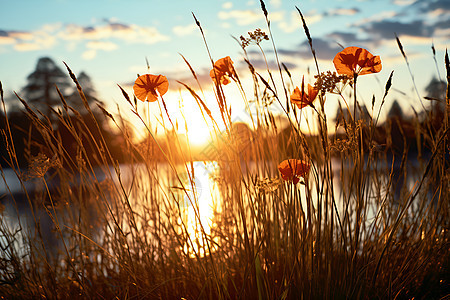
(437, 5)
(130, 33)
(227, 5)
(347, 39)
(89, 54)
(342, 12)
(387, 29)
(403, 2)
(5, 39)
(15, 37)
(241, 17)
(442, 29)
(293, 22)
(101, 45)
(27, 47)
(185, 30)
(275, 3)
(376, 18)
(101, 36)
(324, 50)
(27, 41)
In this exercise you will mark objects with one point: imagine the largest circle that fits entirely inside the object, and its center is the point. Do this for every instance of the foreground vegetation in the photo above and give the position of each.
(290, 222)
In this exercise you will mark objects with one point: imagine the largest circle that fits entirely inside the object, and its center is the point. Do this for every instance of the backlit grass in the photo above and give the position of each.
(341, 217)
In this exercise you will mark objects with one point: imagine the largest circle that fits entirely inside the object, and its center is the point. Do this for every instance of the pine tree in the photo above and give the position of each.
(40, 91)
(75, 101)
(395, 112)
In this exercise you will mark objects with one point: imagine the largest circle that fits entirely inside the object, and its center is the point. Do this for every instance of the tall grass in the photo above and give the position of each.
(351, 229)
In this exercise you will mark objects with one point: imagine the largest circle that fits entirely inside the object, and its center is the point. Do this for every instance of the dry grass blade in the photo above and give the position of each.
(305, 27)
(400, 46)
(263, 7)
(388, 85)
(308, 36)
(105, 112)
(198, 99)
(125, 95)
(447, 68)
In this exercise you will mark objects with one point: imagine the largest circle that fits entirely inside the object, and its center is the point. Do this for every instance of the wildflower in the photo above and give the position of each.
(147, 87)
(356, 61)
(301, 98)
(222, 71)
(328, 82)
(39, 165)
(293, 169)
(254, 37)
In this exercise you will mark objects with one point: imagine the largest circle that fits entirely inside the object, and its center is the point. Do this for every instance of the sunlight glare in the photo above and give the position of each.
(203, 202)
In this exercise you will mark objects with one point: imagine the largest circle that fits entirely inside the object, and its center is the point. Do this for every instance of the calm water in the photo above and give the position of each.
(195, 193)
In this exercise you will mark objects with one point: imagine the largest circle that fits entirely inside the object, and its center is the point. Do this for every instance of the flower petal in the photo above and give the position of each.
(291, 169)
(356, 60)
(146, 87)
(223, 70)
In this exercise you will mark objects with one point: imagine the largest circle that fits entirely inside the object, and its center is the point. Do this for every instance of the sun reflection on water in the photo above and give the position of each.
(201, 202)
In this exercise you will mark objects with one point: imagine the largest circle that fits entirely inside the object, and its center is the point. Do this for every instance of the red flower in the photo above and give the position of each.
(293, 169)
(301, 98)
(146, 87)
(355, 60)
(222, 71)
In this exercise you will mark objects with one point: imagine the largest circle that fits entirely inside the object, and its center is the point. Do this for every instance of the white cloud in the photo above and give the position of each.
(376, 18)
(438, 12)
(242, 17)
(101, 45)
(227, 5)
(343, 12)
(21, 35)
(291, 23)
(442, 33)
(98, 37)
(27, 46)
(185, 30)
(275, 3)
(403, 2)
(130, 33)
(28, 41)
(7, 40)
(312, 18)
(89, 54)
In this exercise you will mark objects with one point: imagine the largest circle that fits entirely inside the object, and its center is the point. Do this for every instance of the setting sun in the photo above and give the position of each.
(198, 133)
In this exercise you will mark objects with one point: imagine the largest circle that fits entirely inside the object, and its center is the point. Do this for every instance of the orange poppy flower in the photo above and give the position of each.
(355, 60)
(301, 98)
(222, 71)
(293, 169)
(148, 86)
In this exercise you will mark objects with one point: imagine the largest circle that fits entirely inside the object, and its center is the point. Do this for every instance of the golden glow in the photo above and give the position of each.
(194, 124)
(198, 132)
(202, 201)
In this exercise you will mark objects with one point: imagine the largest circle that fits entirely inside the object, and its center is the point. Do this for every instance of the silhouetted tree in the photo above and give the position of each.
(40, 91)
(74, 99)
(361, 114)
(436, 90)
(395, 112)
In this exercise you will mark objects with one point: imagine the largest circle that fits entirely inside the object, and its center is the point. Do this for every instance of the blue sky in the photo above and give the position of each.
(111, 39)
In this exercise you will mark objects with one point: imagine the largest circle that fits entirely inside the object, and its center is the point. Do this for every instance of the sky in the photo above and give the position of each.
(112, 40)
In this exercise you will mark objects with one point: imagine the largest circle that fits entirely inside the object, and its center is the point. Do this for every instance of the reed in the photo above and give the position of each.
(352, 227)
